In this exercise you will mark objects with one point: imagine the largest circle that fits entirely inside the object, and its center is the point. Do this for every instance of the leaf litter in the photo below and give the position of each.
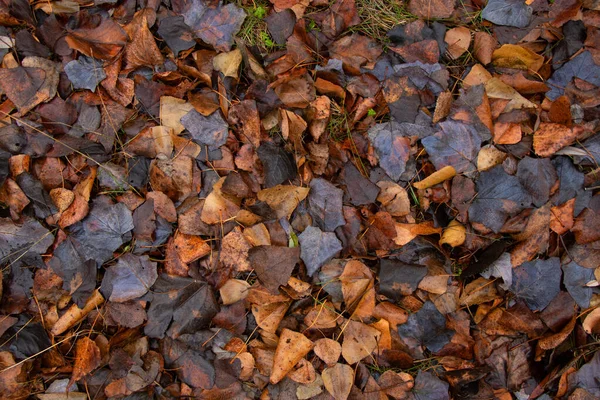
(299, 199)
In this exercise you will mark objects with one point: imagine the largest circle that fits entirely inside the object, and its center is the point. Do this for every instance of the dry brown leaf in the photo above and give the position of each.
(328, 350)
(443, 105)
(393, 198)
(171, 111)
(358, 289)
(172, 177)
(269, 316)
(233, 291)
(496, 89)
(303, 373)
(360, 341)
(234, 251)
(338, 380)
(407, 232)
(458, 40)
(591, 323)
(283, 199)
(507, 133)
(396, 384)
(489, 156)
(190, 247)
(292, 347)
(142, 51)
(228, 63)
(322, 316)
(163, 206)
(477, 75)
(87, 359)
(483, 47)
(103, 42)
(479, 291)
(550, 137)
(219, 207)
(392, 313)
(385, 341)
(554, 340)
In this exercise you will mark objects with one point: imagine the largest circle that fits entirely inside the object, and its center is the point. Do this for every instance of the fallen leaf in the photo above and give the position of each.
(328, 350)
(129, 279)
(393, 198)
(550, 137)
(458, 40)
(325, 205)
(499, 196)
(591, 323)
(338, 380)
(273, 264)
(527, 278)
(317, 247)
(215, 25)
(104, 41)
(456, 145)
(518, 57)
(85, 73)
(87, 359)
(454, 234)
(283, 199)
(515, 13)
(291, 348)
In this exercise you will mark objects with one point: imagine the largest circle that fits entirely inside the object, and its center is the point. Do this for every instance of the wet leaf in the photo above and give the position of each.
(581, 67)
(575, 279)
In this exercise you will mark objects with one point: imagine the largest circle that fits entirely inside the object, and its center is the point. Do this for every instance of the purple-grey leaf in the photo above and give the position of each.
(85, 73)
(499, 196)
(325, 205)
(426, 327)
(537, 282)
(129, 279)
(106, 228)
(211, 131)
(508, 12)
(537, 176)
(576, 278)
(430, 387)
(456, 144)
(582, 67)
(317, 248)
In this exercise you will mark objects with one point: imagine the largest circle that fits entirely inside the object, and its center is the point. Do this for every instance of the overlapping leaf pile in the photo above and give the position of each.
(321, 213)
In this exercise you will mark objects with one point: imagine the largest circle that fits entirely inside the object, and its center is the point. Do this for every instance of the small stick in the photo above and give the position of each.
(76, 314)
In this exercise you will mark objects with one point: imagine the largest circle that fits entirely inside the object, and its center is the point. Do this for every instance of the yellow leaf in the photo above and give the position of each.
(454, 234)
(518, 57)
